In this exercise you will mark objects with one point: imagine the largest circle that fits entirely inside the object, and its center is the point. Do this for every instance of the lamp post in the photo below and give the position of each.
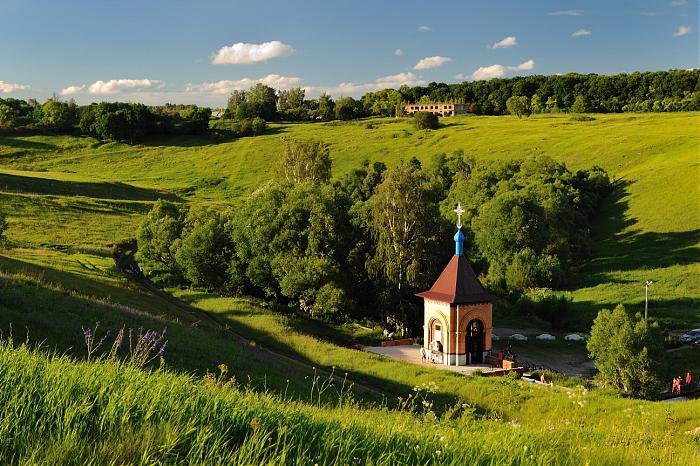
(646, 298)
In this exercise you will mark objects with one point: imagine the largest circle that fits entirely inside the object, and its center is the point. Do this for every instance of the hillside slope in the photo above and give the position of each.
(74, 194)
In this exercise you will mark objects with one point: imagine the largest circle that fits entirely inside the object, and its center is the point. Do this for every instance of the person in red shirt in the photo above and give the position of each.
(688, 378)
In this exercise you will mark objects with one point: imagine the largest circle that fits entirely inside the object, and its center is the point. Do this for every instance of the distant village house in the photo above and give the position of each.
(439, 109)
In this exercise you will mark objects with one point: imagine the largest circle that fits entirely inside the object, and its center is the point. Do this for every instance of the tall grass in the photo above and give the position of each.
(58, 411)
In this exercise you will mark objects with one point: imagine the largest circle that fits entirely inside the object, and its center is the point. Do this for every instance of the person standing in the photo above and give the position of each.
(688, 378)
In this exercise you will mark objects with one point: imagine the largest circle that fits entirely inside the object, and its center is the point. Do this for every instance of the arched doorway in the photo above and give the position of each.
(437, 334)
(475, 342)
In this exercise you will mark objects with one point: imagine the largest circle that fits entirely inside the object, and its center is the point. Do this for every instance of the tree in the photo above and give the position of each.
(263, 100)
(506, 225)
(347, 108)
(237, 98)
(326, 107)
(7, 116)
(406, 228)
(205, 251)
(518, 106)
(159, 235)
(304, 161)
(291, 99)
(197, 118)
(536, 104)
(57, 115)
(628, 353)
(581, 105)
(425, 120)
(291, 241)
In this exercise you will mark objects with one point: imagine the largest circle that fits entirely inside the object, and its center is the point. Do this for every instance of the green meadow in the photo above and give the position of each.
(300, 393)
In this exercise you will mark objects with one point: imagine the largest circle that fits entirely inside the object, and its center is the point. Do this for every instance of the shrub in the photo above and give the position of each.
(582, 118)
(425, 120)
(330, 302)
(518, 105)
(243, 128)
(3, 225)
(258, 126)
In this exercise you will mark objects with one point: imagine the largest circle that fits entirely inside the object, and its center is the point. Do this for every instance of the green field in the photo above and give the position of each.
(70, 199)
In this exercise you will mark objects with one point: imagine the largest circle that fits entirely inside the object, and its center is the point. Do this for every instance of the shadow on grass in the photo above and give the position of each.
(214, 136)
(45, 186)
(618, 247)
(390, 388)
(128, 295)
(10, 141)
(679, 313)
(53, 320)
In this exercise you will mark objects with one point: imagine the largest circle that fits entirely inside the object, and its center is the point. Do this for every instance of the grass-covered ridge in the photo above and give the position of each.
(110, 413)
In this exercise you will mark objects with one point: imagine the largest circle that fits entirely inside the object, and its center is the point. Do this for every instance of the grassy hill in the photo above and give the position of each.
(75, 194)
(70, 199)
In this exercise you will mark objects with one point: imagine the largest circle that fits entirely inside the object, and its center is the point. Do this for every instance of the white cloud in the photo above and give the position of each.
(423, 28)
(648, 13)
(679, 2)
(397, 80)
(526, 65)
(226, 86)
(461, 76)
(581, 32)
(496, 71)
(70, 90)
(7, 88)
(566, 13)
(245, 53)
(398, 52)
(682, 30)
(509, 41)
(431, 62)
(393, 81)
(488, 72)
(114, 86)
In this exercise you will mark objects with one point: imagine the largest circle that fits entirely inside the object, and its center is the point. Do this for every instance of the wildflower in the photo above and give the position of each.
(255, 423)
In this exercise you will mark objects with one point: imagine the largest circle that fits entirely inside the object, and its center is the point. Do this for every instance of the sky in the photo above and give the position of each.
(157, 51)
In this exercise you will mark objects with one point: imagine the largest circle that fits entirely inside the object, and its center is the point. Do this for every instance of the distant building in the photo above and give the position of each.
(439, 109)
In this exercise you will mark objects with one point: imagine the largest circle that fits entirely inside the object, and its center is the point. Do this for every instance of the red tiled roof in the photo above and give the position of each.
(457, 284)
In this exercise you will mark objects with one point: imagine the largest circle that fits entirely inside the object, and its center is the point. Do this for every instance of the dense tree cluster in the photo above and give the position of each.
(662, 91)
(527, 220)
(107, 121)
(364, 244)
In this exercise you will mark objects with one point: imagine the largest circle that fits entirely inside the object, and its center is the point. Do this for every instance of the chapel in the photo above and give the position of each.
(458, 311)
